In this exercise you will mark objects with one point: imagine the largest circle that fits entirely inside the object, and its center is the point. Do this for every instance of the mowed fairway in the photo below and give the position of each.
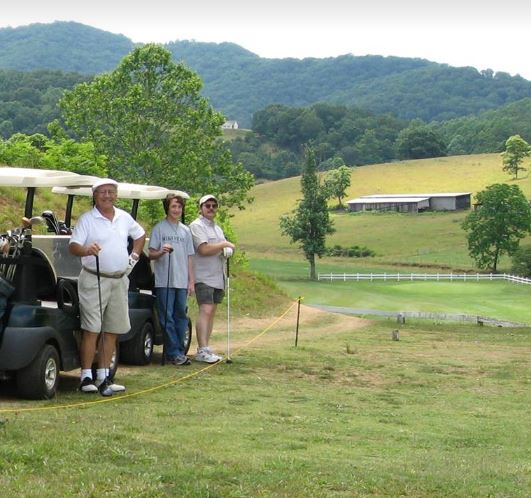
(497, 299)
(432, 239)
(349, 413)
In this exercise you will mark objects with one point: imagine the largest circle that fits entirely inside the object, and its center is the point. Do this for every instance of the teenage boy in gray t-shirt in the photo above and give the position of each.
(171, 248)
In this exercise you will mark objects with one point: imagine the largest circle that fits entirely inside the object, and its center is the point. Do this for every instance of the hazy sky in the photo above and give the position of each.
(479, 33)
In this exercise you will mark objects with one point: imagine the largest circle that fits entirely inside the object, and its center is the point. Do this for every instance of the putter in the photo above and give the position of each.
(163, 360)
(228, 360)
(104, 387)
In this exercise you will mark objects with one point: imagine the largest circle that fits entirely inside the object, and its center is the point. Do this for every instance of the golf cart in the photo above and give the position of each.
(135, 347)
(39, 307)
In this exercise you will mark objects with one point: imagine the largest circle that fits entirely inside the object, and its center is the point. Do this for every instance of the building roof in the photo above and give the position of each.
(387, 199)
(444, 194)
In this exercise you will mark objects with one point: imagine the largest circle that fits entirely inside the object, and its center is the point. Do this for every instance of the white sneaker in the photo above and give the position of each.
(206, 357)
(213, 354)
(115, 388)
(88, 386)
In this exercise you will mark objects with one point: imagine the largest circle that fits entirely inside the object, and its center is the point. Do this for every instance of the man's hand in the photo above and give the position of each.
(92, 249)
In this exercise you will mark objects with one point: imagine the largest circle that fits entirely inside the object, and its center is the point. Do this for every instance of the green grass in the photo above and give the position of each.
(430, 239)
(349, 413)
(501, 300)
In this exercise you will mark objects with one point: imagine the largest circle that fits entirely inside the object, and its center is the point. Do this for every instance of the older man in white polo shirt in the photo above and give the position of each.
(103, 233)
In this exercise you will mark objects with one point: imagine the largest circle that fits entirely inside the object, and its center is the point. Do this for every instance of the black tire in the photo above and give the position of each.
(188, 337)
(114, 364)
(67, 298)
(139, 349)
(39, 380)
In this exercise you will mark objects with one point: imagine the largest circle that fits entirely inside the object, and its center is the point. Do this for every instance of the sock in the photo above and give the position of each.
(101, 373)
(86, 372)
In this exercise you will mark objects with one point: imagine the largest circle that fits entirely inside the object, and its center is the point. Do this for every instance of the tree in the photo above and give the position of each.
(502, 218)
(150, 121)
(418, 141)
(516, 149)
(336, 183)
(522, 261)
(310, 222)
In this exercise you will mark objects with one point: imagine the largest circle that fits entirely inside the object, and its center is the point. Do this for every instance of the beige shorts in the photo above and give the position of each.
(114, 300)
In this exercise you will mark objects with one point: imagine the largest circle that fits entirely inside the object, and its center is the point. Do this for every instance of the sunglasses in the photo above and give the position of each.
(211, 206)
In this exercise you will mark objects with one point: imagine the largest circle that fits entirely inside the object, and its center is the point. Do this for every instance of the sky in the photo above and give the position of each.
(484, 34)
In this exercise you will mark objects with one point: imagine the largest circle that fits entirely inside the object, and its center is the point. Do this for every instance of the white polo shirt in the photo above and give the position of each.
(92, 226)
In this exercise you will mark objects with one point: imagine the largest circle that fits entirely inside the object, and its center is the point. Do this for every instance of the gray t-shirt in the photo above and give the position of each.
(180, 238)
(208, 270)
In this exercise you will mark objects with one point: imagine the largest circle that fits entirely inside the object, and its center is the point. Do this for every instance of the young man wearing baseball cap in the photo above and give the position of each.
(211, 251)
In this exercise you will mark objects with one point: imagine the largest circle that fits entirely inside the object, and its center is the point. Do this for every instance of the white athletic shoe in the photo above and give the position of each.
(115, 388)
(87, 386)
(213, 354)
(206, 356)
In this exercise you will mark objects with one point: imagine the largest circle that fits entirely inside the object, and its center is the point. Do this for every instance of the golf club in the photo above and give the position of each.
(163, 360)
(228, 360)
(51, 221)
(104, 388)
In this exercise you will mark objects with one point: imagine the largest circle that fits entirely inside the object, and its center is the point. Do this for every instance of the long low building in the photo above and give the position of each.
(411, 203)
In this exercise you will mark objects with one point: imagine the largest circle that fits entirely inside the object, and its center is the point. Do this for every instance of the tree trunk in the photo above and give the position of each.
(311, 259)
(496, 256)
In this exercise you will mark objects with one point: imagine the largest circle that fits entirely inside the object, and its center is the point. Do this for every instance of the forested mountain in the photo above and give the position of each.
(66, 46)
(239, 83)
(28, 100)
(488, 131)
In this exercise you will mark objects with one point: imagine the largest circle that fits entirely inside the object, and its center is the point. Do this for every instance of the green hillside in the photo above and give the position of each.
(428, 239)
(239, 82)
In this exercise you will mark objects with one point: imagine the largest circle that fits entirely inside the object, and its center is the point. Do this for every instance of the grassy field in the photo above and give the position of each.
(429, 239)
(349, 413)
(500, 300)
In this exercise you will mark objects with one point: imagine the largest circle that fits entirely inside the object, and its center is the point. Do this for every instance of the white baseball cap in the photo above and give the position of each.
(206, 198)
(104, 181)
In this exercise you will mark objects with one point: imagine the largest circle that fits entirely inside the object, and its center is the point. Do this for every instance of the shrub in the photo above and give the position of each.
(349, 252)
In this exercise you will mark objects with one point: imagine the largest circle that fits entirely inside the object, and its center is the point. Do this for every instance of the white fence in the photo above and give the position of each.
(399, 277)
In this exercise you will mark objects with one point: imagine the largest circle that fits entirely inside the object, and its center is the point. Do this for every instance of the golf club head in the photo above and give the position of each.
(35, 220)
(228, 360)
(51, 221)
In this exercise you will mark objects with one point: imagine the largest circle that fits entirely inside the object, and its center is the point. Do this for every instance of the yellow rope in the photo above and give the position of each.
(148, 390)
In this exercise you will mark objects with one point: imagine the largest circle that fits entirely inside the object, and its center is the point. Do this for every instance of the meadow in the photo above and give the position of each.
(347, 413)
(497, 299)
(429, 239)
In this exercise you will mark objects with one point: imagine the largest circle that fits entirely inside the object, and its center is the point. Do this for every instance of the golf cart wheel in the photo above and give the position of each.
(40, 378)
(188, 336)
(139, 349)
(67, 298)
(113, 366)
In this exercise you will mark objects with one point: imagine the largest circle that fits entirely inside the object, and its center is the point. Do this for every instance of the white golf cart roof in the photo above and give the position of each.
(30, 177)
(125, 191)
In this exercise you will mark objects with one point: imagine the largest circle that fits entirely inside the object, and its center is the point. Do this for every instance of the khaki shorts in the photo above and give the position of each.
(205, 294)
(114, 300)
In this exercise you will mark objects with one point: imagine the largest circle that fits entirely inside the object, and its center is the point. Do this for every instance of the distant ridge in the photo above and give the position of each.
(239, 82)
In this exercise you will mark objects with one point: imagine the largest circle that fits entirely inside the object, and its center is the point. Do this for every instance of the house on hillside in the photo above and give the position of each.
(411, 203)
(229, 125)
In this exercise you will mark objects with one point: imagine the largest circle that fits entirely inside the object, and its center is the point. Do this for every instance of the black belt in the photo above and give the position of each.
(115, 274)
